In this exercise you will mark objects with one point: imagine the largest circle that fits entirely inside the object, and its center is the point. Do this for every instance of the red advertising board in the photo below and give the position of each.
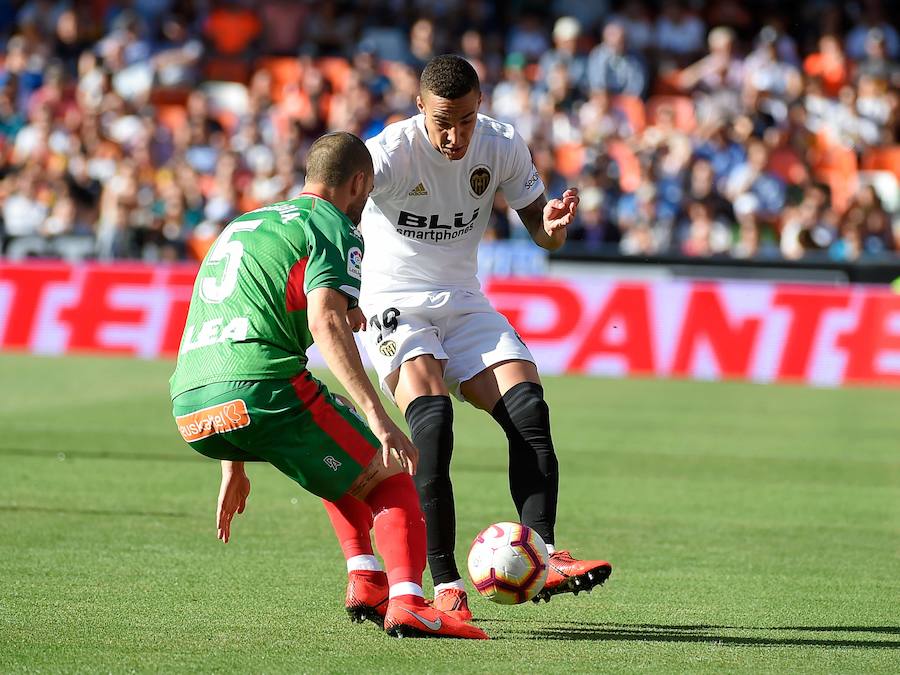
(764, 332)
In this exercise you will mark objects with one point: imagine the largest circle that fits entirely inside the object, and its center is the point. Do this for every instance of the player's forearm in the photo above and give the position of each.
(335, 341)
(550, 242)
(533, 218)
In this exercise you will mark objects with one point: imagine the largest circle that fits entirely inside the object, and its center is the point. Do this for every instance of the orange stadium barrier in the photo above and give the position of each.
(758, 331)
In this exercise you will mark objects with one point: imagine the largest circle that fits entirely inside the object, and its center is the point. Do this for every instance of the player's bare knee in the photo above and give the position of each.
(484, 389)
(420, 376)
(373, 474)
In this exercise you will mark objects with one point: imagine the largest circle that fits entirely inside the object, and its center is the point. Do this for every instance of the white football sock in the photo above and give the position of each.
(406, 588)
(458, 584)
(363, 562)
(551, 549)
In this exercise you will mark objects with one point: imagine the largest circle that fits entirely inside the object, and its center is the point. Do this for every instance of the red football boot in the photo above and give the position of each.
(409, 616)
(367, 596)
(454, 602)
(570, 575)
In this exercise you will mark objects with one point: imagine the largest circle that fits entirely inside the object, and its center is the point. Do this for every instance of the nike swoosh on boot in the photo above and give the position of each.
(433, 625)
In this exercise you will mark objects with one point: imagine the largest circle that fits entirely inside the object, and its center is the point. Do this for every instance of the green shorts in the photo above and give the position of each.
(296, 425)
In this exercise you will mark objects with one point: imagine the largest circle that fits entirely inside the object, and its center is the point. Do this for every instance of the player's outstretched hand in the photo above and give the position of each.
(560, 213)
(232, 497)
(394, 443)
(356, 319)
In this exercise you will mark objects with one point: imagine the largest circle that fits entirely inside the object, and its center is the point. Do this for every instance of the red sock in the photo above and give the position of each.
(399, 528)
(352, 522)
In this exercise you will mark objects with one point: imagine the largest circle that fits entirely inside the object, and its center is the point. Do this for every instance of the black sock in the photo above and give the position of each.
(430, 420)
(533, 468)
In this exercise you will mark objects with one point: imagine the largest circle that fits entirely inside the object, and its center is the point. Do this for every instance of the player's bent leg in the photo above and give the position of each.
(352, 523)
(533, 467)
(400, 537)
(367, 584)
(425, 401)
(399, 527)
(317, 439)
(430, 420)
(512, 393)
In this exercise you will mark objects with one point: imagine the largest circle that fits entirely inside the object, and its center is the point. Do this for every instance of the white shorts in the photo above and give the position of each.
(458, 325)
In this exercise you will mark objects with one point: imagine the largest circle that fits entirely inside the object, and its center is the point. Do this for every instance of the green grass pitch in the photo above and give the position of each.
(751, 528)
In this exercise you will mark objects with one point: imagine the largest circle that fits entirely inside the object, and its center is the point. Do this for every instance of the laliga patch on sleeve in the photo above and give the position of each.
(354, 263)
(216, 419)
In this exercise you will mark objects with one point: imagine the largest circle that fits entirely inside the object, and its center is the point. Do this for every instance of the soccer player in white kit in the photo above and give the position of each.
(431, 331)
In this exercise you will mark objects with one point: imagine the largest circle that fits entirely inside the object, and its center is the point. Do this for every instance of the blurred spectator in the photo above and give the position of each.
(599, 121)
(528, 37)
(24, 208)
(177, 61)
(828, 65)
(873, 27)
(282, 24)
(716, 79)
(749, 242)
(421, 42)
(592, 228)
(639, 29)
(876, 63)
(511, 98)
(810, 226)
(614, 69)
(70, 38)
(753, 177)
(679, 34)
(724, 147)
(565, 53)
(767, 72)
(705, 235)
(701, 187)
(22, 69)
(870, 223)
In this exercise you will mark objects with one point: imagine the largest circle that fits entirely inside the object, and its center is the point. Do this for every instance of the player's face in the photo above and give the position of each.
(362, 185)
(450, 122)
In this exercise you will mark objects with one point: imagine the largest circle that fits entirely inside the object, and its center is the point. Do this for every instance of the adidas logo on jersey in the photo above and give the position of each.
(418, 191)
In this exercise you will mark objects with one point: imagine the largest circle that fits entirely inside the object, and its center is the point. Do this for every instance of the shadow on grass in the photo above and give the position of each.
(705, 633)
(892, 630)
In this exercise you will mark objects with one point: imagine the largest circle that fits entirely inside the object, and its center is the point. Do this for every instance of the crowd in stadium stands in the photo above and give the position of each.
(698, 128)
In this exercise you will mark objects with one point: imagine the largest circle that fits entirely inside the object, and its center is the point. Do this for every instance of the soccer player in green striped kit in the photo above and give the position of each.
(276, 280)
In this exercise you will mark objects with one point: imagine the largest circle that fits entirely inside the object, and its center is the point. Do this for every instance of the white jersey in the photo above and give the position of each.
(426, 216)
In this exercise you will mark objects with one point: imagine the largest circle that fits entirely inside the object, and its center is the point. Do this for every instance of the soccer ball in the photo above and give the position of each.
(508, 563)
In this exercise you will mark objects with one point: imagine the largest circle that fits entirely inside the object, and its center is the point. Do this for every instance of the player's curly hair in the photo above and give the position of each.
(449, 76)
(335, 158)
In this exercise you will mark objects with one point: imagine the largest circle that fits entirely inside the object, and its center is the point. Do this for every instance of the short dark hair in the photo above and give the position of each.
(335, 158)
(449, 76)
